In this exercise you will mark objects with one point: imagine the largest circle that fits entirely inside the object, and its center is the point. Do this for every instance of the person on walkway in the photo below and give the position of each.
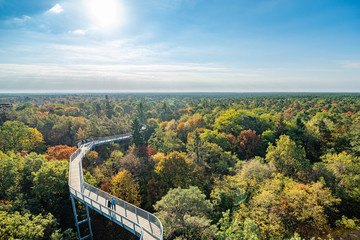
(109, 204)
(113, 202)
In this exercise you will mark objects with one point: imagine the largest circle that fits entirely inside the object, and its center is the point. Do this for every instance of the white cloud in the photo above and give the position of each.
(79, 32)
(351, 64)
(22, 20)
(56, 9)
(164, 77)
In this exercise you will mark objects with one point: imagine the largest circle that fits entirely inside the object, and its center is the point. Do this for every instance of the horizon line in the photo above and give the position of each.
(177, 92)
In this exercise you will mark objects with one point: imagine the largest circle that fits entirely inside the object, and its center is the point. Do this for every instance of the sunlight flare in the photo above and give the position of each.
(105, 13)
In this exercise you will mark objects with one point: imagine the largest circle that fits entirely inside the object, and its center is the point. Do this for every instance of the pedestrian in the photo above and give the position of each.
(113, 202)
(109, 204)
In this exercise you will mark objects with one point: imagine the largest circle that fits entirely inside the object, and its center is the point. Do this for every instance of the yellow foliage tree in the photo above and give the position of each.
(174, 170)
(283, 205)
(123, 186)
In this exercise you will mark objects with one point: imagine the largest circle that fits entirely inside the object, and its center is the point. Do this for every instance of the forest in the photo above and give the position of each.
(209, 166)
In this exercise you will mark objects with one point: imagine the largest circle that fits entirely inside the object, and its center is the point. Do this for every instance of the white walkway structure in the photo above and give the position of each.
(136, 220)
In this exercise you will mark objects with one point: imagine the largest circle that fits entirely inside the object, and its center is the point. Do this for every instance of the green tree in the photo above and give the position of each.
(355, 138)
(210, 155)
(51, 187)
(28, 226)
(346, 169)
(231, 229)
(287, 157)
(16, 136)
(140, 112)
(109, 107)
(232, 190)
(137, 134)
(280, 126)
(185, 213)
(8, 173)
(234, 121)
(113, 164)
(165, 141)
(220, 139)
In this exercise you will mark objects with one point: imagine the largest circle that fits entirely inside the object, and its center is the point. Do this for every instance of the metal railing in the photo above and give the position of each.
(142, 216)
(133, 227)
(128, 207)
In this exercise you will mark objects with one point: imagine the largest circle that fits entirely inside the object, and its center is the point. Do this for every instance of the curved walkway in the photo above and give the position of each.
(136, 220)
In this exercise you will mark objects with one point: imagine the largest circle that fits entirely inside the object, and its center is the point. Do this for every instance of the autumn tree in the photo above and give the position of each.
(173, 170)
(61, 152)
(81, 134)
(248, 143)
(282, 206)
(132, 162)
(90, 158)
(123, 186)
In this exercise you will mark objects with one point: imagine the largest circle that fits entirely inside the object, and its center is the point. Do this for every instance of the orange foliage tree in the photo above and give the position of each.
(248, 142)
(60, 152)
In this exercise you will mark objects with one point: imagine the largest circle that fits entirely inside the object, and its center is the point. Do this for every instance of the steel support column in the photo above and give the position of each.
(77, 223)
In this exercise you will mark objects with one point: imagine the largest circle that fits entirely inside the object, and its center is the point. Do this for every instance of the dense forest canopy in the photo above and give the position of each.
(253, 166)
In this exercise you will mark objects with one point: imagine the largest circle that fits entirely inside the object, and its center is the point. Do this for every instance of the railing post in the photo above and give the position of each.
(125, 209)
(137, 217)
(150, 222)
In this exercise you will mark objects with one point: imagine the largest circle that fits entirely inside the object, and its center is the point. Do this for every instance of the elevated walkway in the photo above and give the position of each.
(136, 220)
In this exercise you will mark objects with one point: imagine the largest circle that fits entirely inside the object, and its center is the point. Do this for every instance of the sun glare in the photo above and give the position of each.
(105, 13)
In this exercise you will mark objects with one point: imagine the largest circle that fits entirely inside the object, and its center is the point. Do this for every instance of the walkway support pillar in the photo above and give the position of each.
(75, 215)
(77, 223)
(88, 218)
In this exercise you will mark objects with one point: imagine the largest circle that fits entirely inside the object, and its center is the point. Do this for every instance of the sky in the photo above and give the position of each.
(180, 46)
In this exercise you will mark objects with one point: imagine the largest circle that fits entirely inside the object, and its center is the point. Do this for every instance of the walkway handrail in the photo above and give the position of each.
(109, 210)
(88, 144)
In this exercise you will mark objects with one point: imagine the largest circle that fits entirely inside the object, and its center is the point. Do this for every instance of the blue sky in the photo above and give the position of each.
(179, 45)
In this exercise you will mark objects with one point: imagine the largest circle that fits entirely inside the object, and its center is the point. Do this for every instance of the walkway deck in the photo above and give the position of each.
(134, 219)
